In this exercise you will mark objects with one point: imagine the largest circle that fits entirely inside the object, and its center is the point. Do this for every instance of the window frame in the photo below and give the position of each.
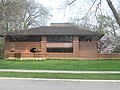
(85, 38)
(60, 38)
(60, 50)
(25, 38)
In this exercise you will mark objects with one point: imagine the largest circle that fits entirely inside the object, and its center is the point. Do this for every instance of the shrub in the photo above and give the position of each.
(1, 50)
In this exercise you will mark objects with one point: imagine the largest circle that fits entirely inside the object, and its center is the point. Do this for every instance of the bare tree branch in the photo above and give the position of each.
(72, 2)
(114, 11)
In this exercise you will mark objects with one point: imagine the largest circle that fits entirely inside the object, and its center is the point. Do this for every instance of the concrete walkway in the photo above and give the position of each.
(65, 80)
(60, 71)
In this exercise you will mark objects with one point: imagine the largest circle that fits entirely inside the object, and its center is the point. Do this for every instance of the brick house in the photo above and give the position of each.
(55, 41)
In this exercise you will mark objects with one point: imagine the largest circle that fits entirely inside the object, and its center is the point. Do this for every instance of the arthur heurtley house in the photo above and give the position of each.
(60, 40)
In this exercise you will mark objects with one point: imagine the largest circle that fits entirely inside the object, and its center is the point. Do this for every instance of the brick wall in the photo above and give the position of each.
(76, 46)
(43, 45)
(62, 45)
(60, 55)
(108, 56)
(25, 46)
(7, 47)
(88, 49)
(82, 49)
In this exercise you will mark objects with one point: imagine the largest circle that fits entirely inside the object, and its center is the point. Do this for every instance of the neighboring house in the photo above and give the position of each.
(56, 41)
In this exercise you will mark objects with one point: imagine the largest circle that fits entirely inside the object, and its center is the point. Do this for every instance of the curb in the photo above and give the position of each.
(65, 80)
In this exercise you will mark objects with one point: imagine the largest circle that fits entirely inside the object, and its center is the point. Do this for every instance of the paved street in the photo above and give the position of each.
(6, 84)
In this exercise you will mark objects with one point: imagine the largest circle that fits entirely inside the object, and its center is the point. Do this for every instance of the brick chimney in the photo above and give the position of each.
(61, 24)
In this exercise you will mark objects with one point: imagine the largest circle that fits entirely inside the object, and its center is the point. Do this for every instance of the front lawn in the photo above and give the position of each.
(84, 65)
(61, 76)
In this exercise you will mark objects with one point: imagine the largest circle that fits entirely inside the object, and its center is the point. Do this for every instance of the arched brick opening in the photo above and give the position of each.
(30, 47)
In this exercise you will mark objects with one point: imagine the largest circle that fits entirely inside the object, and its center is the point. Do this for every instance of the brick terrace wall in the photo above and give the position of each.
(25, 46)
(22, 49)
(108, 56)
(82, 49)
(21, 55)
(62, 45)
(43, 45)
(76, 46)
(60, 55)
(88, 49)
(7, 47)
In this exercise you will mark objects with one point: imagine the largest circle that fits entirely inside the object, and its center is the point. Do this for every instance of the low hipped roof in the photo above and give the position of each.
(54, 30)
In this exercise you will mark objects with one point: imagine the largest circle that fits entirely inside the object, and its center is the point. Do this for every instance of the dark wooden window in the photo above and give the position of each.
(60, 38)
(85, 38)
(60, 50)
(24, 38)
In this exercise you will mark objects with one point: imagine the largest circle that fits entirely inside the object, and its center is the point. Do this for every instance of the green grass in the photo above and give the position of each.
(61, 76)
(86, 65)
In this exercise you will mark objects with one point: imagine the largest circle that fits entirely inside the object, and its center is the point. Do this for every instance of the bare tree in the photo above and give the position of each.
(110, 4)
(33, 15)
(22, 14)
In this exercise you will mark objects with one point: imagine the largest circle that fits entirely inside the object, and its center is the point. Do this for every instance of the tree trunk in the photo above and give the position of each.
(114, 11)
